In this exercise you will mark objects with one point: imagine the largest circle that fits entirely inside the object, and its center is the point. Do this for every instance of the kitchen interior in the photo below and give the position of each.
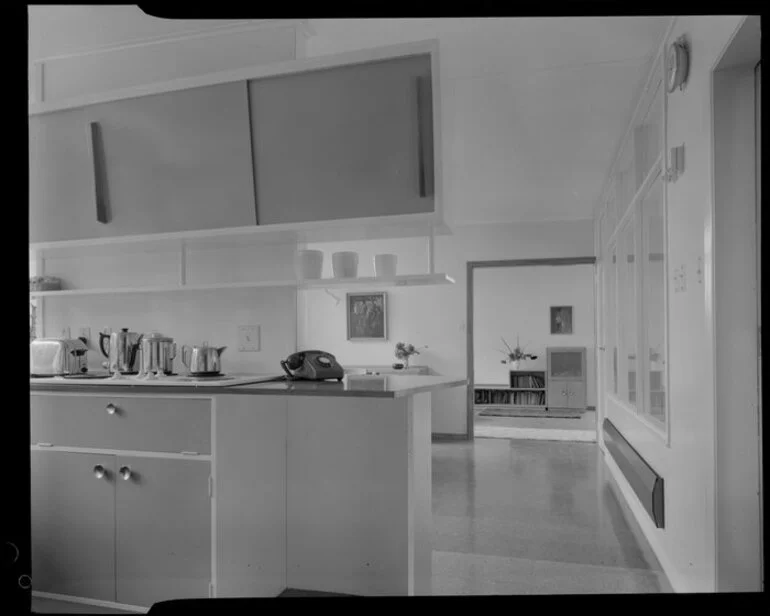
(248, 261)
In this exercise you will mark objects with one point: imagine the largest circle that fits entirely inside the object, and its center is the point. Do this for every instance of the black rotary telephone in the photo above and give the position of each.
(312, 366)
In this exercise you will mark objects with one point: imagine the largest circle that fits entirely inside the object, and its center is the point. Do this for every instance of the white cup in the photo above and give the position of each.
(310, 264)
(385, 266)
(345, 264)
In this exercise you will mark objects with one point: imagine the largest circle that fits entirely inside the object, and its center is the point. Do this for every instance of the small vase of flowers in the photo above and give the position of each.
(405, 351)
(516, 355)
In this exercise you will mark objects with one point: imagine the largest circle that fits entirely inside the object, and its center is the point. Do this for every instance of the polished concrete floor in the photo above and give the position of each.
(533, 517)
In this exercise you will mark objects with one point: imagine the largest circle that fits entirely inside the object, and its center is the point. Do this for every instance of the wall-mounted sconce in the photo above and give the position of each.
(675, 163)
(677, 64)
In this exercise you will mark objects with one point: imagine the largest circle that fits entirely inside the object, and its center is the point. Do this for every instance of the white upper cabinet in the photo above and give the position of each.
(345, 142)
(177, 161)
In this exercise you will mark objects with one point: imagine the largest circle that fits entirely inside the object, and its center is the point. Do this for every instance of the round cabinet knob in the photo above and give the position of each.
(564, 393)
(125, 472)
(111, 409)
(99, 471)
(25, 582)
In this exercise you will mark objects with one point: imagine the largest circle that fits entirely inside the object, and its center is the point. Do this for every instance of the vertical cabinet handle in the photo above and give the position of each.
(425, 136)
(99, 471)
(125, 472)
(100, 179)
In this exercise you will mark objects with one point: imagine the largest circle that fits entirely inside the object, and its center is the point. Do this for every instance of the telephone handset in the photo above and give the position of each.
(312, 365)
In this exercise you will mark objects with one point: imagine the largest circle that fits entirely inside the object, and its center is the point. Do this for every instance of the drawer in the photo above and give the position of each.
(138, 424)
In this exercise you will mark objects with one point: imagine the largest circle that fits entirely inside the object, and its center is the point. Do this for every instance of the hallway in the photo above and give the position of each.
(529, 517)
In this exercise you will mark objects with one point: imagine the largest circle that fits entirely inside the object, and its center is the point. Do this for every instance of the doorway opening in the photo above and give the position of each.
(532, 349)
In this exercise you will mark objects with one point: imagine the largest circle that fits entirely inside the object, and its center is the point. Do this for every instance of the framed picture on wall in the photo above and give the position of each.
(561, 319)
(367, 316)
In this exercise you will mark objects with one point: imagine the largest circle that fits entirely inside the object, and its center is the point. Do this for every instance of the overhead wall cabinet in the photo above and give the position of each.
(323, 139)
(177, 161)
(345, 142)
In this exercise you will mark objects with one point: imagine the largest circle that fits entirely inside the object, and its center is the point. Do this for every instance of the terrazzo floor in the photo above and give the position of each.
(533, 517)
(538, 428)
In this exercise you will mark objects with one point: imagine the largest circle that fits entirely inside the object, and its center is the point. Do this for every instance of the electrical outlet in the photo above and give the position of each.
(248, 338)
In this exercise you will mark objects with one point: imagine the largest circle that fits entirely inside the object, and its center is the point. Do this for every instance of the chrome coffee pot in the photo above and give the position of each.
(203, 359)
(122, 350)
(158, 353)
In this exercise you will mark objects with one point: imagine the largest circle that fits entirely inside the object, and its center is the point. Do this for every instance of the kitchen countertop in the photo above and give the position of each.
(352, 386)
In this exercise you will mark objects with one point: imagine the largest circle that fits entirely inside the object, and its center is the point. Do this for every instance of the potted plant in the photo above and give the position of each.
(405, 351)
(514, 356)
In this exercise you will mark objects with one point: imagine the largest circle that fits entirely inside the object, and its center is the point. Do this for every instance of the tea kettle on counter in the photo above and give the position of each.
(203, 360)
(122, 350)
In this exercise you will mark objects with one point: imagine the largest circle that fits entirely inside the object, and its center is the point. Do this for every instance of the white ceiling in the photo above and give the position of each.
(532, 108)
(56, 30)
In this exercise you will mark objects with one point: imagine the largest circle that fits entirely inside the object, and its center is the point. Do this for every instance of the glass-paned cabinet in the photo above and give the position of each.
(566, 377)
(654, 300)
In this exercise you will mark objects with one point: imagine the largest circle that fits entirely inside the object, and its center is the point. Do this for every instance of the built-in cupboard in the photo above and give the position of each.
(331, 143)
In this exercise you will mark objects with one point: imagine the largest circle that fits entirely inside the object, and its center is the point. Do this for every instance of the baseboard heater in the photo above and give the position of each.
(647, 484)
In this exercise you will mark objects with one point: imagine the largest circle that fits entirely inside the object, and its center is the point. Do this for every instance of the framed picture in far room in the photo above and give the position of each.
(561, 319)
(367, 316)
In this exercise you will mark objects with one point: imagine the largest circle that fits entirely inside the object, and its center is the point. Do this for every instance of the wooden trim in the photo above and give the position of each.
(256, 72)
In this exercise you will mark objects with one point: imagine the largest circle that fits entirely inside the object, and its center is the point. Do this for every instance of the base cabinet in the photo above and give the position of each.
(163, 534)
(73, 523)
(132, 530)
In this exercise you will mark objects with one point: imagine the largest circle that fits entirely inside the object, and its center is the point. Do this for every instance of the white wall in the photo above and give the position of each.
(735, 314)
(686, 546)
(432, 315)
(511, 301)
(190, 317)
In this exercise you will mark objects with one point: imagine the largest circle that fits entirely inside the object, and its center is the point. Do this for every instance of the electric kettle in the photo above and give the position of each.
(122, 350)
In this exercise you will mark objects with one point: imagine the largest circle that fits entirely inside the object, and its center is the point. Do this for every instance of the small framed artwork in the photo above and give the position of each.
(561, 319)
(367, 316)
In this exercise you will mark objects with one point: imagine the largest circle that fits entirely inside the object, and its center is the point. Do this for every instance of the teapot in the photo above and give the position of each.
(202, 359)
(122, 350)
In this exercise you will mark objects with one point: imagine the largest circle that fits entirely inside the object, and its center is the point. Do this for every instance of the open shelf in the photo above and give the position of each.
(384, 227)
(398, 281)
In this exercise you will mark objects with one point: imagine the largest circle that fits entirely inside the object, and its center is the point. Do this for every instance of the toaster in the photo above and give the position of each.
(57, 356)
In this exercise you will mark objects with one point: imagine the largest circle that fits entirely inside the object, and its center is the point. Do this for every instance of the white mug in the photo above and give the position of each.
(345, 264)
(385, 266)
(310, 264)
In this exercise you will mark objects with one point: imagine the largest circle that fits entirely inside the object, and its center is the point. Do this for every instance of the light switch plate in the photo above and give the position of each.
(248, 338)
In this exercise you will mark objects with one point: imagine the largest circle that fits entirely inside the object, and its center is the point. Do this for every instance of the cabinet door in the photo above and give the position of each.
(347, 142)
(177, 161)
(163, 537)
(62, 203)
(73, 524)
(557, 394)
(576, 394)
